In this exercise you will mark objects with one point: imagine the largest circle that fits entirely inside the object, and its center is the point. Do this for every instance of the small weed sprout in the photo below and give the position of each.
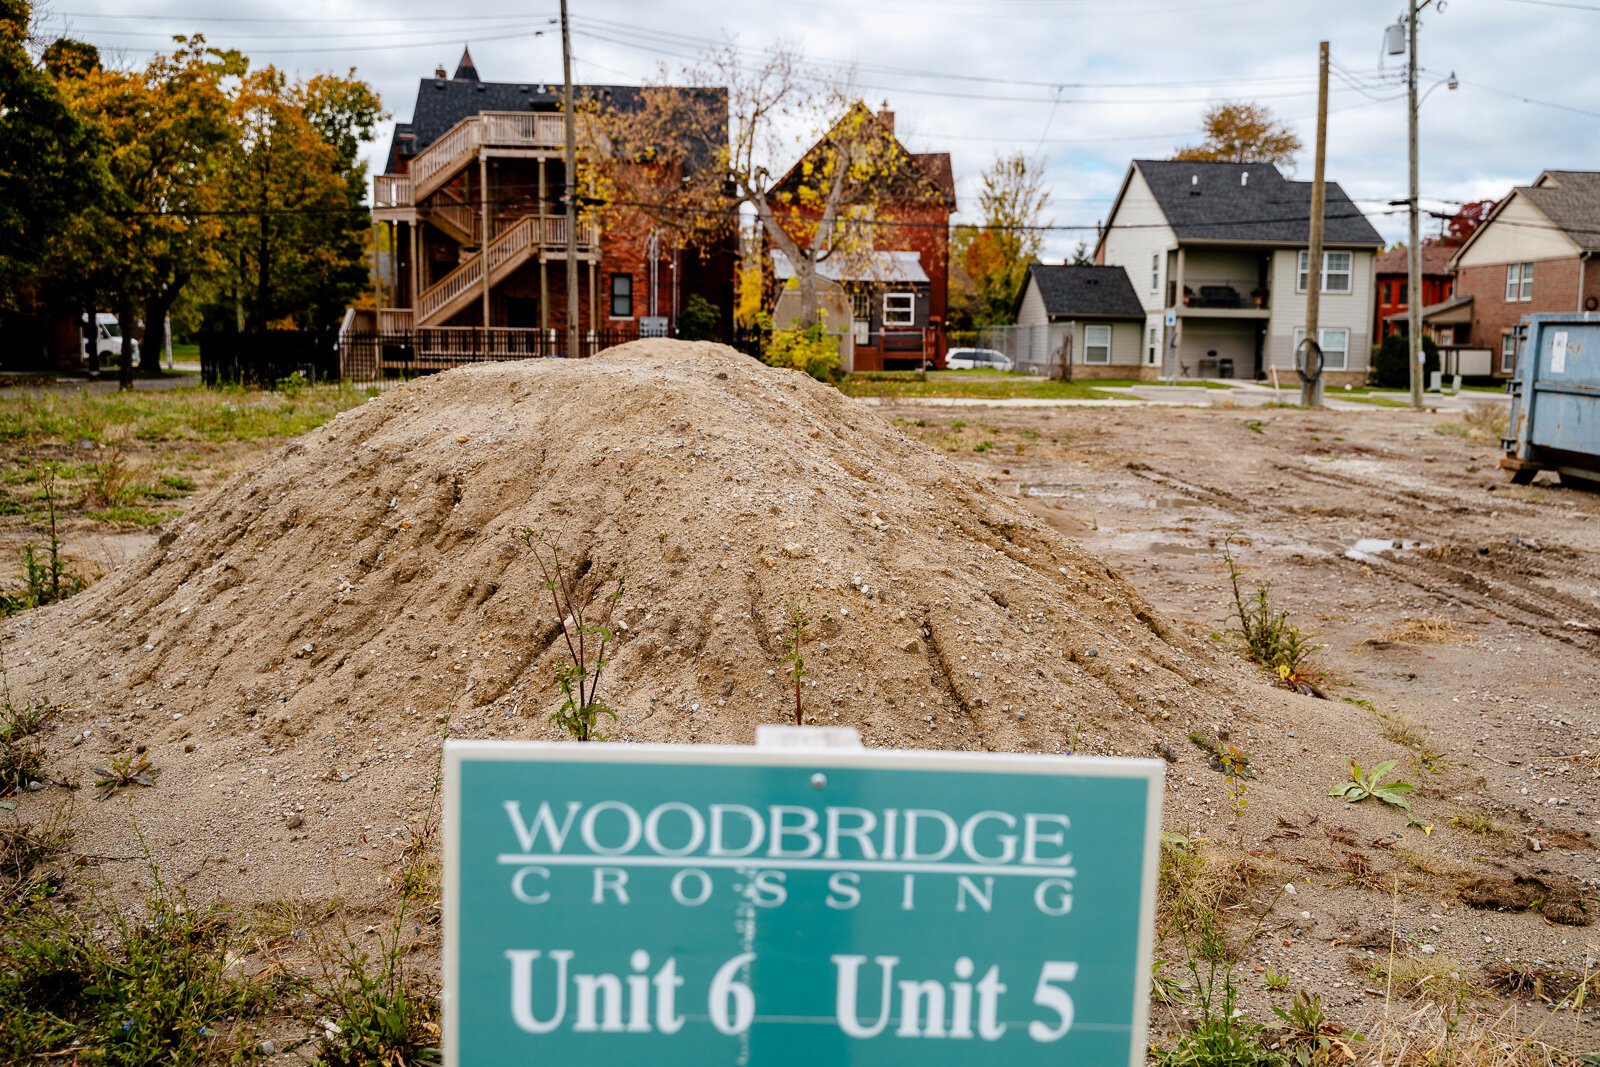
(1276, 980)
(125, 771)
(1371, 784)
(579, 676)
(45, 578)
(373, 1013)
(1268, 638)
(1309, 1037)
(795, 664)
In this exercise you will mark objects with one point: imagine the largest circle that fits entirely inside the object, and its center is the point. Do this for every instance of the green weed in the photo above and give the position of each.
(580, 673)
(794, 662)
(125, 771)
(372, 1014)
(1268, 638)
(1363, 786)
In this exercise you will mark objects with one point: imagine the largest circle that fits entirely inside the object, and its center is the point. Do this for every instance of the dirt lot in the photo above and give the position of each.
(1476, 645)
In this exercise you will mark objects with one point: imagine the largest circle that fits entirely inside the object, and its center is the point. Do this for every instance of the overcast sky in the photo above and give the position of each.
(1082, 86)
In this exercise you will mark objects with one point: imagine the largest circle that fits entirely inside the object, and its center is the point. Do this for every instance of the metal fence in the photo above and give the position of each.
(264, 357)
(1027, 346)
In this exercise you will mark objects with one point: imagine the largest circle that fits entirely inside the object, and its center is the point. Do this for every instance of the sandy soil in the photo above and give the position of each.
(1484, 633)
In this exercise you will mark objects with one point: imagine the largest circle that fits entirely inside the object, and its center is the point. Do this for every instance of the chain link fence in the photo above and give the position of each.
(1027, 346)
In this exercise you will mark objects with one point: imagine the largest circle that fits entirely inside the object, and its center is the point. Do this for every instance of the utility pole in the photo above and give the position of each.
(572, 350)
(1414, 248)
(1311, 375)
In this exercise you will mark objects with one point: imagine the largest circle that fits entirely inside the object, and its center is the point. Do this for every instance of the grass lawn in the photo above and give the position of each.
(993, 385)
(131, 459)
(970, 384)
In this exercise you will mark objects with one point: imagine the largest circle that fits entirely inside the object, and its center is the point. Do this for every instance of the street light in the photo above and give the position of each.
(1414, 246)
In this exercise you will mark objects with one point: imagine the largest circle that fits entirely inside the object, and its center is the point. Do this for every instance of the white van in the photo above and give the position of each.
(107, 338)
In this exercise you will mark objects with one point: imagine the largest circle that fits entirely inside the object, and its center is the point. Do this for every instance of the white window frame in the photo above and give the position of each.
(1089, 346)
(1155, 272)
(1154, 347)
(861, 305)
(1513, 281)
(1508, 353)
(1326, 332)
(899, 309)
(1302, 277)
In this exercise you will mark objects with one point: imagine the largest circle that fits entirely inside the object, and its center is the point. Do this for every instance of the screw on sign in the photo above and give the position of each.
(766, 906)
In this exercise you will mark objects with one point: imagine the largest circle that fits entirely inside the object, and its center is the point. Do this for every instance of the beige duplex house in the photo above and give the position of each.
(1217, 253)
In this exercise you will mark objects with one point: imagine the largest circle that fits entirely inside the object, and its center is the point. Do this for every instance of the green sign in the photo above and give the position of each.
(700, 906)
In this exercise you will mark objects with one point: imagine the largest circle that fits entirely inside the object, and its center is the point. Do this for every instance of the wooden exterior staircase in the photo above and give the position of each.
(444, 158)
(522, 241)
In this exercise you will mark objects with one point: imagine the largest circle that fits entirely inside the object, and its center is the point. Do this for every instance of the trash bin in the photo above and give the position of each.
(1555, 400)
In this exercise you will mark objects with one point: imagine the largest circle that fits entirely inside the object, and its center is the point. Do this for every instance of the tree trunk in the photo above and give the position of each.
(156, 309)
(806, 272)
(125, 361)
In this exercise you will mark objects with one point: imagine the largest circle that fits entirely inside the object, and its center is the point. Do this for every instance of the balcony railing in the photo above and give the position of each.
(1224, 293)
(391, 190)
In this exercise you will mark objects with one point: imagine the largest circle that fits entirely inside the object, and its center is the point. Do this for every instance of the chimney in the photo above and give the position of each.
(440, 73)
(886, 117)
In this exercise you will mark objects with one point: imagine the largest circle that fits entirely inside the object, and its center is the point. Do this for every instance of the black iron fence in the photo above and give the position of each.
(265, 357)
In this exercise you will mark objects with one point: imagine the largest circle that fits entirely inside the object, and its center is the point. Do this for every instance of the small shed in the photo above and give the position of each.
(1079, 322)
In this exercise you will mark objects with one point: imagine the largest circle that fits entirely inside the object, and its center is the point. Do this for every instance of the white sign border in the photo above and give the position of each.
(456, 752)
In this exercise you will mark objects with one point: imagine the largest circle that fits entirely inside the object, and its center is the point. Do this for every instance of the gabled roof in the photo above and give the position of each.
(1435, 260)
(933, 167)
(1570, 199)
(443, 102)
(1246, 202)
(1080, 292)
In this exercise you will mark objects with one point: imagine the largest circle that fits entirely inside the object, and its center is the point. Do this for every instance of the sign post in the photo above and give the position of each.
(695, 905)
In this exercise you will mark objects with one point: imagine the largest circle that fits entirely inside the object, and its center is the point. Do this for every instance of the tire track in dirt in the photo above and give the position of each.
(1523, 601)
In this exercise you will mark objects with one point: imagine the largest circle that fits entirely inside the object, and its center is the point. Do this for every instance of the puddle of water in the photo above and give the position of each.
(1049, 490)
(1368, 548)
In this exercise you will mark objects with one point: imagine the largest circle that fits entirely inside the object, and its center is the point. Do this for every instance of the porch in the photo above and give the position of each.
(1218, 348)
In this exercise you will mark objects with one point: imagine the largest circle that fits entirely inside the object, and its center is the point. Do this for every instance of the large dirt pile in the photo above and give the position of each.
(294, 651)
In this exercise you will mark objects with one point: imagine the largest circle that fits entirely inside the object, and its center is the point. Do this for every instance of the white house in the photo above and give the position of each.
(1217, 253)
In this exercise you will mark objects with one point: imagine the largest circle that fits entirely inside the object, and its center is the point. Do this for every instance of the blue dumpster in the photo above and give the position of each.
(1555, 400)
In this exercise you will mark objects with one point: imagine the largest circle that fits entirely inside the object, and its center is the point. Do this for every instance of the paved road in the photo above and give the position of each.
(16, 385)
(1240, 394)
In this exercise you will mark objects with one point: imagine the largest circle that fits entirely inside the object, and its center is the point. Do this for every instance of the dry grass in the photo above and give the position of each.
(1484, 421)
(1435, 1036)
(1430, 630)
(1476, 822)
(1437, 979)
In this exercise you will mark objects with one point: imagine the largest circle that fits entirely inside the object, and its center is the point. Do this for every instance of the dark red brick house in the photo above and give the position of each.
(1536, 252)
(1392, 278)
(472, 201)
(899, 292)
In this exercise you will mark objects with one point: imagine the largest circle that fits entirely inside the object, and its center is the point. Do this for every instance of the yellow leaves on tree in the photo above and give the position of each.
(1243, 133)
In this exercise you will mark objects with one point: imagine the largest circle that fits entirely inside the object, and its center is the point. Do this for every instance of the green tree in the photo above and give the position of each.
(994, 257)
(48, 163)
(166, 134)
(1243, 133)
(295, 221)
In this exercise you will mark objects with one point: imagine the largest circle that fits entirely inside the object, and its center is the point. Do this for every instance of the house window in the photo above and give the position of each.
(1336, 272)
(1508, 353)
(1154, 346)
(861, 305)
(1155, 272)
(1097, 344)
(1519, 282)
(899, 309)
(622, 296)
(1335, 347)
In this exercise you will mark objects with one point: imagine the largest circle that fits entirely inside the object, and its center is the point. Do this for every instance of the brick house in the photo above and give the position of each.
(899, 292)
(1534, 253)
(1392, 275)
(476, 177)
(1218, 255)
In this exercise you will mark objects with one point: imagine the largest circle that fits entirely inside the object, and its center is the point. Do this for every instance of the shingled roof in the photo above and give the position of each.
(1249, 202)
(1081, 292)
(443, 102)
(1571, 200)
